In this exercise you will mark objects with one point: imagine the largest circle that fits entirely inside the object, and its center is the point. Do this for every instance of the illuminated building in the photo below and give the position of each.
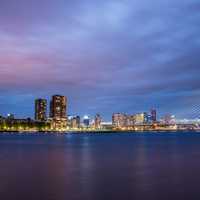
(15, 124)
(74, 122)
(40, 109)
(58, 107)
(58, 112)
(139, 118)
(86, 121)
(130, 120)
(97, 121)
(119, 120)
(149, 118)
(106, 125)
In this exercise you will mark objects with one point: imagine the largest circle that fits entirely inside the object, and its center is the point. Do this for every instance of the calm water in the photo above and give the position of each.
(100, 167)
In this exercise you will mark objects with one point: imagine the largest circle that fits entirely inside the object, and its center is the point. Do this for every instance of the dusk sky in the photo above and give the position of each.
(105, 56)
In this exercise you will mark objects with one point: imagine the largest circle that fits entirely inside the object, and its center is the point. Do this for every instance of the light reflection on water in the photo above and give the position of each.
(96, 167)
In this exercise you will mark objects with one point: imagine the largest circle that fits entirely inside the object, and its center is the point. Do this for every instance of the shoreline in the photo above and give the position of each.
(100, 132)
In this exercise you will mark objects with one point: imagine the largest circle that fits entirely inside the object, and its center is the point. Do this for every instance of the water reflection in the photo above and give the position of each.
(100, 167)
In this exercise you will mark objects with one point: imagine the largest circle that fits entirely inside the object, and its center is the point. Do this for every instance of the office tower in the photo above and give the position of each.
(58, 107)
(119, 120)
(97, 121)
(40, 109)
(153, 115)
(58, 112)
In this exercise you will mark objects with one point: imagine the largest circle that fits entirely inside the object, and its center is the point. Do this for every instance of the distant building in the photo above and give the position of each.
(58, 112)
(14, 124)
(153, 115)
(149, 118)
(86, 121)
(58, 107)
(74, 122)
(130, 120)
(97, 121)
(40, 109)
(140, 118)
(106, 125)
(10, 116)
(168, 119)
(146, 118)
(119, 120)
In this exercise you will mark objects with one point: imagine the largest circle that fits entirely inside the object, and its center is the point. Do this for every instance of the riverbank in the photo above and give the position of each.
(98, 131)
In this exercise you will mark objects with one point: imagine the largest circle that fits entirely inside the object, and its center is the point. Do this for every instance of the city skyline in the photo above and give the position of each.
(42, 109)
(58, 119)
(106, 57)
(57, 107)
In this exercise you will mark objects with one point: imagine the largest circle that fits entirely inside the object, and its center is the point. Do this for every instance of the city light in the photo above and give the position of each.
(59, 121)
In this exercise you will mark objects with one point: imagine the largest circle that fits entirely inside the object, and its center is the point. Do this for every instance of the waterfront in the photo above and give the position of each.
(100, 166)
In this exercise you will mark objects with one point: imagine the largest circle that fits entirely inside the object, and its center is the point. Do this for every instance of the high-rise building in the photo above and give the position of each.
(40, 109)
(97, 121)
(153, 115)
(58, 107)
(58, 112)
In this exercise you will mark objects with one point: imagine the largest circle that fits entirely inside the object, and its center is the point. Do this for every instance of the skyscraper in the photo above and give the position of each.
(153, 115)
(58, 112)
(40, 109)
(58, 107)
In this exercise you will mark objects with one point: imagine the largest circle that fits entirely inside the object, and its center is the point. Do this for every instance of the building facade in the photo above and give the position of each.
(40, 109)
(97, 121)
(153, 115)
(58, 112)
(119, 120)
(74, 122)
(58, 107)
(86, 121)
(140, 118)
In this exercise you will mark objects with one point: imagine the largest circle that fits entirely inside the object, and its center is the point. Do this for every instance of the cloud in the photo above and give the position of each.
(100, 54)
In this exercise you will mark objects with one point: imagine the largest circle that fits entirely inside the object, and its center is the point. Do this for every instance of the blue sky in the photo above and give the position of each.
(105, 56)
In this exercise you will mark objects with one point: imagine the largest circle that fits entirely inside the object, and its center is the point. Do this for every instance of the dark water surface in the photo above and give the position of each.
(100, 166)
